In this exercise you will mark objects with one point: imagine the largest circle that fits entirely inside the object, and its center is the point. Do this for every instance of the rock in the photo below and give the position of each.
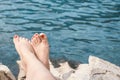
(21, 75)
(54, 71)
(103, 70)
(64, 70)
(5, 73)
(96, 69)
(81, 73)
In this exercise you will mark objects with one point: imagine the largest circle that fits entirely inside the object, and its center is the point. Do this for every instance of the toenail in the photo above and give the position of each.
(36, 34)
(15, 36)
(42, 36)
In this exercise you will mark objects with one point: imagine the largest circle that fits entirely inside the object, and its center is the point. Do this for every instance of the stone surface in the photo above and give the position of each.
(96, 69)
(5, 73)
(81, 73)
(103, 70)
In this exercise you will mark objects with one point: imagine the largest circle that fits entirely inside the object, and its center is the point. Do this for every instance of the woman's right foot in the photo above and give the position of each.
(41, 47)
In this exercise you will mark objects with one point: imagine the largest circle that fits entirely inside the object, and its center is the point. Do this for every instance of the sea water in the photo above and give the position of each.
(75, 28)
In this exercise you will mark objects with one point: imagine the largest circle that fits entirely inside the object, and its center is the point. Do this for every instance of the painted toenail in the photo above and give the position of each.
(15, 36)
(42, 36)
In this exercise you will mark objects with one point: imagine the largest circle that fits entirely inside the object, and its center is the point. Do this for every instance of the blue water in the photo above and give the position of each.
(75, 28)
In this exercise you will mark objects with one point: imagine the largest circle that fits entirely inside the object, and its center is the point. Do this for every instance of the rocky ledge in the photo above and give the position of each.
(97, 69)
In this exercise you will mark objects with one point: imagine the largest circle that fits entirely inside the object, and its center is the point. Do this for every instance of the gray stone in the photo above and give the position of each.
(97, 69)
(103, 70)
(81, 73)
(5, 73)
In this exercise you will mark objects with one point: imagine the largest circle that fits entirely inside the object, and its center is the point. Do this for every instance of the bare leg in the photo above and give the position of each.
(35, 70)
(41, 47)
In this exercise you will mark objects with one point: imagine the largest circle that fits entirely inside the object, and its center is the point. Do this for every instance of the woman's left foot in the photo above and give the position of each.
(25, 50)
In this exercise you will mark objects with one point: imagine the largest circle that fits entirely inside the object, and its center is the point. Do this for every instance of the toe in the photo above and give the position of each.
(43, 37)
(34, 41)
(22, 39)
(16, 39)
(26, 39)
(38, 39)
(34, 35)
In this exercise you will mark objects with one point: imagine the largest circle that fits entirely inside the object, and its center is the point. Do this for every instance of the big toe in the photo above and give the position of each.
(43, 37)
(16, 39)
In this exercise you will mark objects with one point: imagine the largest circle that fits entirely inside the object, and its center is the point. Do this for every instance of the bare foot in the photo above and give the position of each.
(41, 47)
(24, 49)
(35, 70)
